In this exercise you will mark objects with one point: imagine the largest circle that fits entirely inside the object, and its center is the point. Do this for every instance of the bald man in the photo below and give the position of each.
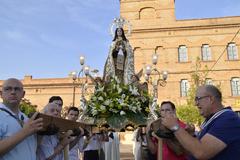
(17, 138)
(51, 147)
(219, 138)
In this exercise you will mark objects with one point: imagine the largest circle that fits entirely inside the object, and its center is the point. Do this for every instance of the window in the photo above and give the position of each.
(232, 51)
(208, 81)
(206, 53)
(182, 54)
(184, 86)
(235, 85)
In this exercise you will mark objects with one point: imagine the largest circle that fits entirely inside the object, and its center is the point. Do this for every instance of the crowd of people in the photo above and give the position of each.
(167, 137)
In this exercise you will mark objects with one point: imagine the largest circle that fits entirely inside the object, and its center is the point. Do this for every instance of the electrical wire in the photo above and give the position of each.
(221, 54)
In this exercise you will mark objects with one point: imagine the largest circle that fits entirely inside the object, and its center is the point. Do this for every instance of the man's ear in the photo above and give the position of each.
(23, 94)
(212, 99)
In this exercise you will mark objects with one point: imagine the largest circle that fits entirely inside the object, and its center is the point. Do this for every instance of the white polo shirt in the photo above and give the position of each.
(26, 149)
(74, 152)
(46, 148)
(94, 143)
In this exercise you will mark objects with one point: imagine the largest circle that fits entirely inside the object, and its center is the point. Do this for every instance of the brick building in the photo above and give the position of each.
(178, 44)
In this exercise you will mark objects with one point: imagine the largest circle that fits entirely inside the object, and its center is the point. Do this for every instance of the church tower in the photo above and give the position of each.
(148, 12)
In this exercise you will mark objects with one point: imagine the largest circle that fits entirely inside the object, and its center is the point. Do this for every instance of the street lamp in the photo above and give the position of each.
(95, 73)
(154, 76)
(80, 78)
(74, 78)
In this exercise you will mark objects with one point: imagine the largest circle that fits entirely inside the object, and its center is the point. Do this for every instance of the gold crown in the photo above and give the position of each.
(119, 23)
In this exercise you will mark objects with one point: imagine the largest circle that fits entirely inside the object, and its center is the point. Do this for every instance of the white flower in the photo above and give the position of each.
(94, 98)
(134, 109)
(134, 90)
(103, 108)
(120, 101)
(116, 79)
(122, 113)
(107, 102)
(100, 89)
(94, 112)
(123, 96)
(138, 104)
(100, 98)
(139, 109)
(113, 110)
(119, 89)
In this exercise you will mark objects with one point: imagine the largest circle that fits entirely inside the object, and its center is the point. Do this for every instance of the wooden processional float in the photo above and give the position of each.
(53, 125)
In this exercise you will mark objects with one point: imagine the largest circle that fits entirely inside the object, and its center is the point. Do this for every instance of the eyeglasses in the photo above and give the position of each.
(197, 99)
(10, 89)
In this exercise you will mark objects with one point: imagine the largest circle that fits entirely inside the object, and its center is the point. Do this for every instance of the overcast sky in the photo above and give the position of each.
(45, 38)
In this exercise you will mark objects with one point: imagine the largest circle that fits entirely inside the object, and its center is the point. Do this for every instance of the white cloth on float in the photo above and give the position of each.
(111, 148)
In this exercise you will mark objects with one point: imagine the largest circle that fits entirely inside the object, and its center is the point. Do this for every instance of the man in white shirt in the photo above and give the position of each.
(17, 138)
(51, 147)
(77, 145)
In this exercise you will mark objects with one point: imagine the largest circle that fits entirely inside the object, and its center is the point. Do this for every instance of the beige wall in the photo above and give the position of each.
(38, 91)
(155, 29)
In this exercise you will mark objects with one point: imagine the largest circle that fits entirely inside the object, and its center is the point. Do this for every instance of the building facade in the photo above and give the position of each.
(38, 91)
(178, 43)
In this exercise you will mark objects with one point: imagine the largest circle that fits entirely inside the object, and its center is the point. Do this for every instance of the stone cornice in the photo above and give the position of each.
(180, 28)
(50, 82)
(214, 70)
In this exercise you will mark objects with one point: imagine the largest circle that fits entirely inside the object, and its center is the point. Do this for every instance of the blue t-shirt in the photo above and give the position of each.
(226, 128)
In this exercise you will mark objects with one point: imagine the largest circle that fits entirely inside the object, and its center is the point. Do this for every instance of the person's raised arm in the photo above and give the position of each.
(31, 126)
(205, 148)
(151, 145)
(62, 144)
(77, 138)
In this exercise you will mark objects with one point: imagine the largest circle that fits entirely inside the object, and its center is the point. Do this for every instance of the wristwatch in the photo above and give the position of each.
(175, 128)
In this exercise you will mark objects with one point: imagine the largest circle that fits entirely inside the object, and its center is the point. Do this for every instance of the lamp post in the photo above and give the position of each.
(80, 78)
(95, 73)
(155, 78)
(74, 78)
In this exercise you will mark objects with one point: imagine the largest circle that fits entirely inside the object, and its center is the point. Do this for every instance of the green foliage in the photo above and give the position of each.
(189, 114)
(27, 108)
(119, 104)
(198, 78)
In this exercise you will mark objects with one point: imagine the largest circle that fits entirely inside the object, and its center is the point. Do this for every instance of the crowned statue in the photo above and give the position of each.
(119, 98)
(120, 61)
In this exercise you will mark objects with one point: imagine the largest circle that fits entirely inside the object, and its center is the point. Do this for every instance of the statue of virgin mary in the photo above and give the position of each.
(120, 61)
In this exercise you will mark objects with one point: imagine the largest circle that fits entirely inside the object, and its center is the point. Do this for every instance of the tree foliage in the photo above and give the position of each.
(27, 108)
(189, 112)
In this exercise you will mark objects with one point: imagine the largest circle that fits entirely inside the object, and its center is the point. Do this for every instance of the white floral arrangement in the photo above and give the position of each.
(118, 105)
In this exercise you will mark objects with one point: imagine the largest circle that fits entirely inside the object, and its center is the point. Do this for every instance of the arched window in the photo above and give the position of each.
(184, 86)
(232, 51)
(182, 54)
(206, 53)
(235, 86)
(147, 13)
